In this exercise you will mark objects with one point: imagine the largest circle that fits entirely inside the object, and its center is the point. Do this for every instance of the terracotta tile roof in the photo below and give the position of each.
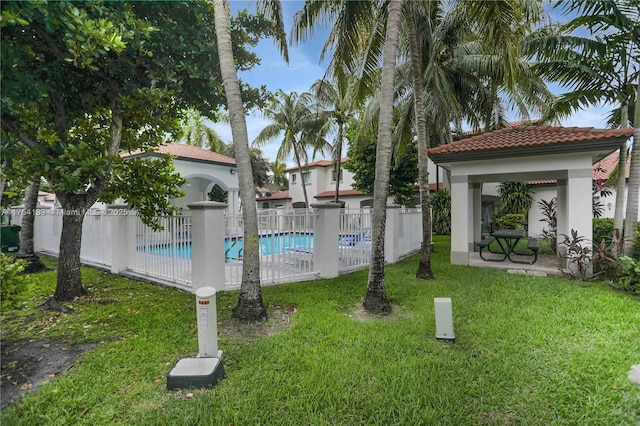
(319, 163)
(528, 139)
(343, 193)
(603, 168)
(280, 195)
(189, 152)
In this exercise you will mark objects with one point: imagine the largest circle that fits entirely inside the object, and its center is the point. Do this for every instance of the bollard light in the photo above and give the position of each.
(207, 368)
(444, 319)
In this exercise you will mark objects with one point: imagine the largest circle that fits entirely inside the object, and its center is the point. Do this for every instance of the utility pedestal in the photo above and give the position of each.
(207, 369)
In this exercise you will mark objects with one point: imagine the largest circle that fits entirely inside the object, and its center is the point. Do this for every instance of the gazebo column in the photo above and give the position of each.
(580, 203)
(462, 219)
(561, 213)
(477, 215)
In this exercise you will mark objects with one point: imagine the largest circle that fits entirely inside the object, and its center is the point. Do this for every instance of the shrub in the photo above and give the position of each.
(602, 229)
(629, 280)
(509, 221)
(11, 282)
(550, 217)
(441, 210)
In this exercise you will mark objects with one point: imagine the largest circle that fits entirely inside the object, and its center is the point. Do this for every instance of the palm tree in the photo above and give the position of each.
(278, 175)
(294, 118)
(376, 298)
(339, 105)
(453, 64)
(197, 133)
(250, 307)
(603, 68)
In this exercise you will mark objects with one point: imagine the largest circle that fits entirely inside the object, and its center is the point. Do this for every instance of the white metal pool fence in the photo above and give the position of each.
(195, 246)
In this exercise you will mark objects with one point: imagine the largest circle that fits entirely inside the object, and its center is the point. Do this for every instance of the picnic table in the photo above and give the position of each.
(507, 240)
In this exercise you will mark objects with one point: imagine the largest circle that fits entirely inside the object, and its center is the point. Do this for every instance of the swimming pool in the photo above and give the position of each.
(233, 246)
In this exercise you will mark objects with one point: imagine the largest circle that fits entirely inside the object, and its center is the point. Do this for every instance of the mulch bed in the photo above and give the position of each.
(28, 364)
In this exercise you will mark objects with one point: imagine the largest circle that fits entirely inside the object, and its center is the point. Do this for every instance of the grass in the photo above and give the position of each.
(528, 350)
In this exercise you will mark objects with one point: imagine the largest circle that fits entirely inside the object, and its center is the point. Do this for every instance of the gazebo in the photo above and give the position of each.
(522, 154)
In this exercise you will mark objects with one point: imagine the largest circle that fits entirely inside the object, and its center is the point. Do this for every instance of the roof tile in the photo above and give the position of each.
(189, 152)
(528, 136)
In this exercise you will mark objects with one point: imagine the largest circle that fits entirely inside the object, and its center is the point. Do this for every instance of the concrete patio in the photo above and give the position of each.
(546, 263)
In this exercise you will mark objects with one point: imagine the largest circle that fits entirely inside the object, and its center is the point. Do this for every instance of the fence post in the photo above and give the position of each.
(392, 234)
(325, 239)
(207, 245)
(39, 228)
(122, 238)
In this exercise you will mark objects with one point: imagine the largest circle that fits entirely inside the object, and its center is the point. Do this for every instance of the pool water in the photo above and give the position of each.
(269, 244)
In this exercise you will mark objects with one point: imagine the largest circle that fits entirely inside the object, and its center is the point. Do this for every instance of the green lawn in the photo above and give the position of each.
(528, 351)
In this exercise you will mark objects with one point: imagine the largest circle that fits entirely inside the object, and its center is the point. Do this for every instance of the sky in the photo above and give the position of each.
(304, 68)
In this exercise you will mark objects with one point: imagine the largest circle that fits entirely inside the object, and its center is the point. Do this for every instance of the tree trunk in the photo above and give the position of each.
(250, 307)
(338, 160)
(424, 266)
(69, 283)
(27, 251)
(376, 299)
(631, 218)
(618, 217)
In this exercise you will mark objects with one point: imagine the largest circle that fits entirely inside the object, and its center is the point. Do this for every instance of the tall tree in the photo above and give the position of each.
(376, 298)
(27, 250)
(250, 307)
(259, 165)
(295, 119)
(278, 175)
(602, 67)
(339, 104)
(84, 82)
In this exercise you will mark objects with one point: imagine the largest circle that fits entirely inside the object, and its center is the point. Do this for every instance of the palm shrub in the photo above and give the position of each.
(550, 217)
(602, 228)
(441, 211)
(515, 197)
(509, 221)
(515, 201)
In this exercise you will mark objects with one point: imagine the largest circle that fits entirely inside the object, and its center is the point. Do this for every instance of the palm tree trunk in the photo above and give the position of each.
(376, 299)
(27, 251)
(338, 158)
(250, 306)
(631, 218)
(618, 217)
(304, 188)
(424, 266)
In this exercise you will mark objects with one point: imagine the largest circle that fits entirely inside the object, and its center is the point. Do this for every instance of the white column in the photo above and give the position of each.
(325, 240)
(207, 245)
(461, 220)
(580, 203)
(392, 232)
(476, 229)
(561, 214)
(122, 237)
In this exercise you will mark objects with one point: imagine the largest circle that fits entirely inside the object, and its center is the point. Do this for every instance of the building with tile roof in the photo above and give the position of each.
(203, 170)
